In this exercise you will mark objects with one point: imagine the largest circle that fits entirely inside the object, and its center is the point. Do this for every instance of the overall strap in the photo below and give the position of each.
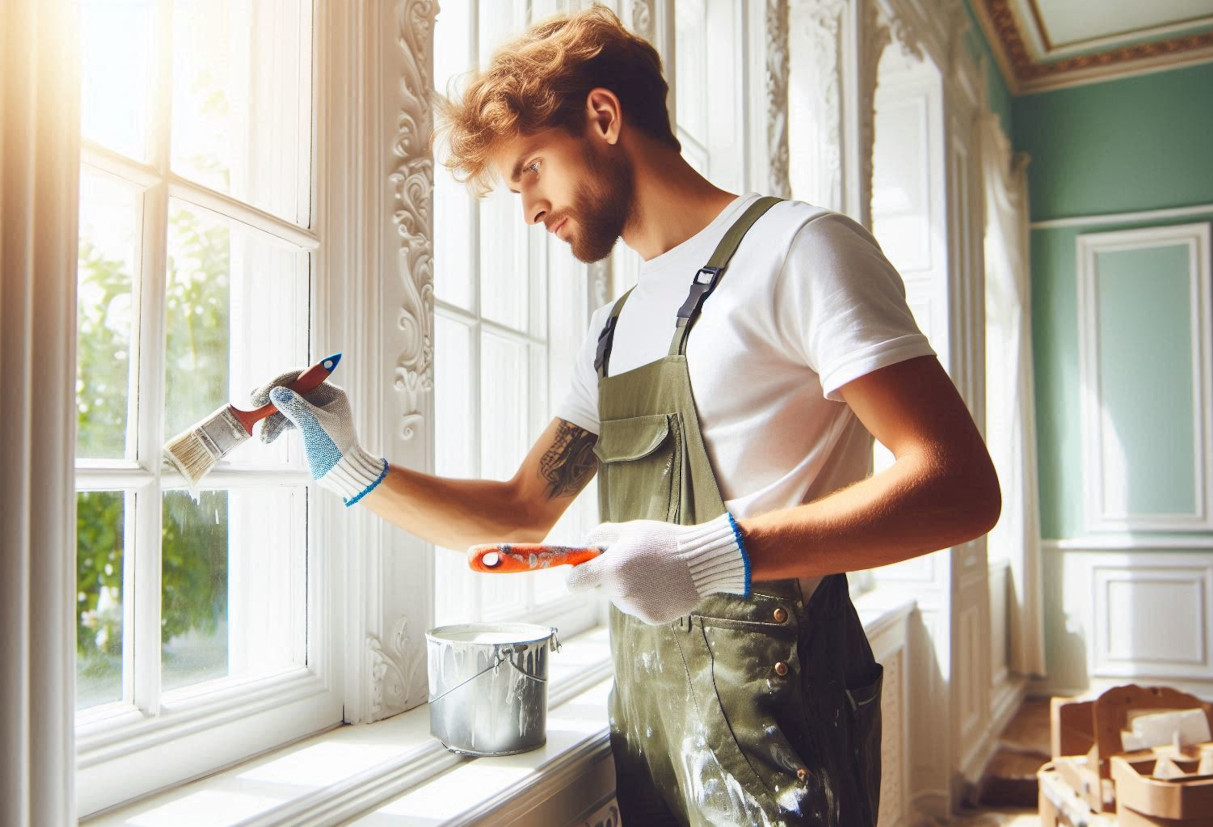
(708, 277)
(607, 337)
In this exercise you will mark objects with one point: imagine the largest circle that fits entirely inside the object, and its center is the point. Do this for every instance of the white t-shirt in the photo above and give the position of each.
(807, 304)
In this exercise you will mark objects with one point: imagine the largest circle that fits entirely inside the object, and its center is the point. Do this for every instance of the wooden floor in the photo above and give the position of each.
(1007, 794)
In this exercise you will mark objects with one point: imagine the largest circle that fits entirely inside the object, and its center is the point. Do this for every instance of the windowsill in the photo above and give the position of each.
(350, 770)
(396, 768)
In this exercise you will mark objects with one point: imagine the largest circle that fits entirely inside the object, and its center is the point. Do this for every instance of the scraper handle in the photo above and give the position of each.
(515, 557)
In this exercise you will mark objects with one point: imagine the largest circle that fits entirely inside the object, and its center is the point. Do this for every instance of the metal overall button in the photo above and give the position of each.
(780, 615)
(781, 669)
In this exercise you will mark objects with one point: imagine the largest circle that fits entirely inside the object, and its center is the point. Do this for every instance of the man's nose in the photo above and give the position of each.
(534, 210)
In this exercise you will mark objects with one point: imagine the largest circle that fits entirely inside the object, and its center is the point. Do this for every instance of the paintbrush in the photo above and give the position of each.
(195, 451)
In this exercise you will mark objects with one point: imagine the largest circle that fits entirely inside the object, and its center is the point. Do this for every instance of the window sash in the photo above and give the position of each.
(239, 714)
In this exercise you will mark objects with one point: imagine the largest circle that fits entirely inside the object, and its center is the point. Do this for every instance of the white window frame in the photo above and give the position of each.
(122, 750)
(556, 315)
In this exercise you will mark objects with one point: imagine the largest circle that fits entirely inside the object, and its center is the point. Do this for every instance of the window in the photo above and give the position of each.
(195, 284)
(511, 309)
(691, 69)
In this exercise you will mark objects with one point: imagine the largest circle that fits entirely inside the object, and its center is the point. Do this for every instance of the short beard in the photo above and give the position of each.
(602, 204)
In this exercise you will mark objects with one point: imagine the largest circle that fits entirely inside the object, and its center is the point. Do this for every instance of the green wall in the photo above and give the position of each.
(1055, 356)
(1140, 143)
(1124, 146)
(1129, 145)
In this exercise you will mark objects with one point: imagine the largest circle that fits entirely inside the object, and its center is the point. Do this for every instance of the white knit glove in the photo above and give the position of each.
(337, 461)
(658, 571)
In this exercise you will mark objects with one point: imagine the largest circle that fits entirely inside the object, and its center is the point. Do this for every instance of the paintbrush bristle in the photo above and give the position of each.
(195, 451)
(189, 455)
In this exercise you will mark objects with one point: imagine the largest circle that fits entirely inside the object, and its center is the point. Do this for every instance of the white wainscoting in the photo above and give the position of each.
(1129, 616)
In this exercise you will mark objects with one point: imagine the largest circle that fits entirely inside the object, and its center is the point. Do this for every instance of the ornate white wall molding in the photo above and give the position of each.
(777, 62)
(927, 27)
(394, 668)
(413, 185)
(644, 20)
(815, 101)
(873, 36)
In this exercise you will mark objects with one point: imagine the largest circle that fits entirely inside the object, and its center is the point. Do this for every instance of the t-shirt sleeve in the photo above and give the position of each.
(841, 306)
(580, 403)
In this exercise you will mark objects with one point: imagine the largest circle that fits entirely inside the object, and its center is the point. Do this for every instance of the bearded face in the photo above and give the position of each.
(602, 204)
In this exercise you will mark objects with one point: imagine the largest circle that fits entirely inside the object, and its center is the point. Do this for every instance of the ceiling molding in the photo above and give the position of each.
(1025, 73)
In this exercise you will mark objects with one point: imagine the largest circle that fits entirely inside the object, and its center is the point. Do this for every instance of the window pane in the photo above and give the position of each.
(242, 100)
(454, 209)
(237, 305)
(504, 296)
(233, 594)
(690, 64)
(100, 520)
(504, 384)
(453, 377)
(109, 233)
(116, 71)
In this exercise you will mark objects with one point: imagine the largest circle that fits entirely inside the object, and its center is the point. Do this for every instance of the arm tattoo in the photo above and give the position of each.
(570, 462)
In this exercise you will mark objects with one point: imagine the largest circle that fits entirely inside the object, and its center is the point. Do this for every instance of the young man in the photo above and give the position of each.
(728, 404)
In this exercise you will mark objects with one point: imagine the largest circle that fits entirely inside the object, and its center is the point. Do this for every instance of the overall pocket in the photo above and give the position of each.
(755, 670)
(864, 699)
(641, 473)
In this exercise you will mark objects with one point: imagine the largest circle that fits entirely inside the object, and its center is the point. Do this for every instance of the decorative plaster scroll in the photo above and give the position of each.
(814, 35)
(413, 185)
(643, 17)
(777, 98)
(394, 669)
(874, 38)
(903, 30)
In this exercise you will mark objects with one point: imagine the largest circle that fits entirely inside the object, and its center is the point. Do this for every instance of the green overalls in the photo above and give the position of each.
(749, 711)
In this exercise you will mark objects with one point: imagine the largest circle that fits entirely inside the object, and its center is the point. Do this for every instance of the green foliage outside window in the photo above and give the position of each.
(194, 535)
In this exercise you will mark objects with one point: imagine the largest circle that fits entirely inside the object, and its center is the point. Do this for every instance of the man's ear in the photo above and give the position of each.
(604, 115)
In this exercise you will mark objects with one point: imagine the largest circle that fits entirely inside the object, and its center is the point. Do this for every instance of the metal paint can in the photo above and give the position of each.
(489, 686)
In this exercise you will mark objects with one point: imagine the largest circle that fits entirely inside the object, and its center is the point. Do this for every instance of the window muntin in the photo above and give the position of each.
(188, 296)
(501, 349)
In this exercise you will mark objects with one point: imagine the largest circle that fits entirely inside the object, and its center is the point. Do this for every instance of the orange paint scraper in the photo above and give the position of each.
(516, 557)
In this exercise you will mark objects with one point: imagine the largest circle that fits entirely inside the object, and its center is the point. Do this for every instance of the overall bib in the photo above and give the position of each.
(749, 711)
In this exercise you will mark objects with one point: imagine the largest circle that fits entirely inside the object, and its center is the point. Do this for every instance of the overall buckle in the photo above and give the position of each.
(703, 284)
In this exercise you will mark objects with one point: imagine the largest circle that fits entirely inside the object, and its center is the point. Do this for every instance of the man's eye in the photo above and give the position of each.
(533, 167)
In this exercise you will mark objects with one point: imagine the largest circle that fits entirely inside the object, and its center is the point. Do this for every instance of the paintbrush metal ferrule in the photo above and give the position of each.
(221, 432)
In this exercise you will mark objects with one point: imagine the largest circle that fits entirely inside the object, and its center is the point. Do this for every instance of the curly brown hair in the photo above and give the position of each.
(540, 81)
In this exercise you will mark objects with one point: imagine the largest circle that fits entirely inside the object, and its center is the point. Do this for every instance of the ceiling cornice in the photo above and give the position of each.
(1024, 74)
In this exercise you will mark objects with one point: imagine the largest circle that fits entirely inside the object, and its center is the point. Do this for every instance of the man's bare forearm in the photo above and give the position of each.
(456, 513)
(918, 505)
(453, 513)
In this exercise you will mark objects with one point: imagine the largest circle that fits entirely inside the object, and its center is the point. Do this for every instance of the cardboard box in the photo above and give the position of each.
(1072, 726)
(1083, 778)
(1086, 733)
(1165, 787)
(1060, 805)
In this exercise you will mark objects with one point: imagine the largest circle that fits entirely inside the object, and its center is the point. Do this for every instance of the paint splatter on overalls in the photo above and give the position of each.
(749, 711)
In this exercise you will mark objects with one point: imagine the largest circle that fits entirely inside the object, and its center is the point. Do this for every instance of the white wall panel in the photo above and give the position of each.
(1152, 621)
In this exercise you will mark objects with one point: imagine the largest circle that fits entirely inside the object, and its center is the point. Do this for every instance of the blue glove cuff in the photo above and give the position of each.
(382, 475)
(745, 555)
